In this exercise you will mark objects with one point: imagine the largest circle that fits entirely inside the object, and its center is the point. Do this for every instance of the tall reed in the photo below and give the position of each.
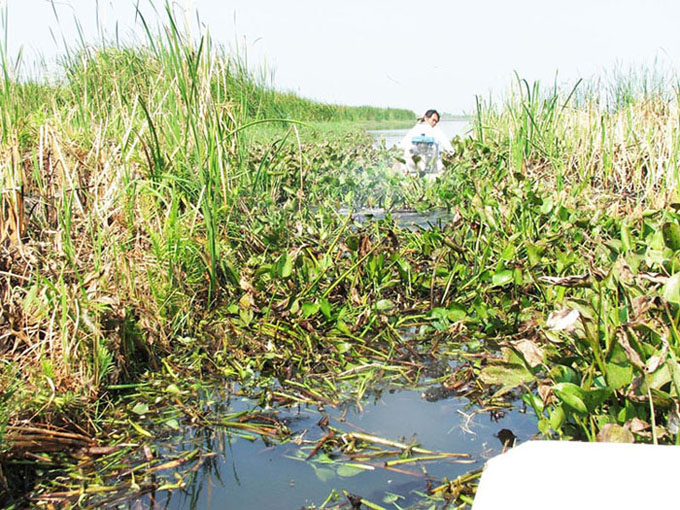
(623, 147)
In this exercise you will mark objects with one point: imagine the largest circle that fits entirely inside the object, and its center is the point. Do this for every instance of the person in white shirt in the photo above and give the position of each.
(423, 146)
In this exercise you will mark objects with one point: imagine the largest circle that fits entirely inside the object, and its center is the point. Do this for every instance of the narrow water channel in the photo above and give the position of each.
(245, 471)
(251, 472)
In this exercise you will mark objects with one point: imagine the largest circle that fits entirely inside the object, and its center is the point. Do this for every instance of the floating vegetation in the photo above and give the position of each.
(164, 253)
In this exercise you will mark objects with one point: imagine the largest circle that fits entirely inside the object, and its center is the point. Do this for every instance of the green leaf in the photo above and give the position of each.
(384, 304)
(173, 424)
(140, 408)
(502, 277)
(619, 375)
(508, 252)
(671, 235)
(285, 266)
(140, 429)
(671, 289)
(172, 389)
(309, 309)
(323, 474)
(347, 471)
(572, 395)
(557, 418)
(625, 237)
(595, 397)
(391, 498)
(342, 327)
(325, 308)
(508, 376)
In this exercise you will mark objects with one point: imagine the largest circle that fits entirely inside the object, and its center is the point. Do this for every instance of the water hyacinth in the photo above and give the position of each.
(170, 225)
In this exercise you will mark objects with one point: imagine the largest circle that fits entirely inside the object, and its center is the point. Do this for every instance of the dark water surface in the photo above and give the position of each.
(257, 474)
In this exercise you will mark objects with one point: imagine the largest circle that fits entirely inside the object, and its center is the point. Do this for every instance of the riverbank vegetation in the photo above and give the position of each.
(153, 242)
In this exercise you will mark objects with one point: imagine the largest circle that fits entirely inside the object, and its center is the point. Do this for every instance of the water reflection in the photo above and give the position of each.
(244, 471)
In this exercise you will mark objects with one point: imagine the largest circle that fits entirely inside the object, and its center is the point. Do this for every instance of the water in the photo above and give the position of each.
(248, 474)
(392, 137)
(408, 219)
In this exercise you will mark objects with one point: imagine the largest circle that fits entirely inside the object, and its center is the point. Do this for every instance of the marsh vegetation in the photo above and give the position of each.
(175, 233)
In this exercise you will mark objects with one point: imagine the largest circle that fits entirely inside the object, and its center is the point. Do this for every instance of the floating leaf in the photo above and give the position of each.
(323, 474)
(348, 470)
(390, 498)
(508, 376)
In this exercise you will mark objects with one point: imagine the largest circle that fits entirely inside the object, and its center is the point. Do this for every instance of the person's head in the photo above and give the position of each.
(431, 117)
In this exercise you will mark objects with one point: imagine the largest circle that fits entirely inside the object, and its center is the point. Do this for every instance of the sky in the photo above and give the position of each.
(407, 54)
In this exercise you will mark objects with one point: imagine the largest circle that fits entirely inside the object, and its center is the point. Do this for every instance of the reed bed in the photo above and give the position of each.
(126, 190)
(621, 145)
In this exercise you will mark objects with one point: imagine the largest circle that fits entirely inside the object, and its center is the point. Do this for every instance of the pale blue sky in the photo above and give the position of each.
(411, 54)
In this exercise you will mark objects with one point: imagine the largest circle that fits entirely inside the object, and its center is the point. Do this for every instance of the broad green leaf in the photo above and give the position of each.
(172, 423)
(671, 289)
(595, 397)
(502, 277)
(342, 327)
(285, 266)
(173, 389)
(508, 252)
(572, 395)
(323, 474)
(547, 205)
(619, 375)
(508, 376)
(671, 235)
(347, 471)
(325, 308)
(309, 309)
(625, 237)
(613, 433)
(557, 418)
(391, 498)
